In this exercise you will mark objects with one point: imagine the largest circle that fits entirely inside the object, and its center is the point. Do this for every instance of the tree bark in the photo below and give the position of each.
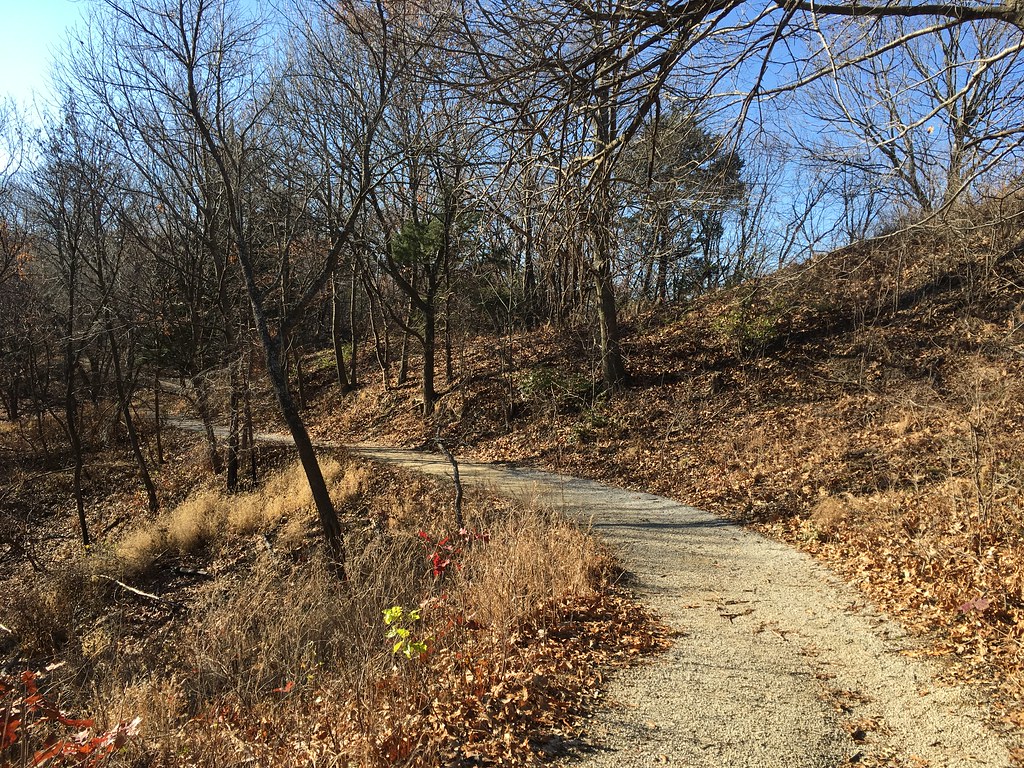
(71, 418)
(353, 379)
(233, 430)
(300, 379)
(380, 347)
(248, 438)
(429, 349)
(337, 337)
(129, 423)
(203, 407)
(157, 419)
(403, 365)
(613, 367)
(303, 445)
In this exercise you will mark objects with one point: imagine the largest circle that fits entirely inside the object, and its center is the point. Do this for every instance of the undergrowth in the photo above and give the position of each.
(242, 645)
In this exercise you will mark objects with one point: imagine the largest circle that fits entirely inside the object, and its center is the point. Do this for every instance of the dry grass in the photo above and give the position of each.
(532, 557)
(278, 662)
(209, 515)
(867, 407)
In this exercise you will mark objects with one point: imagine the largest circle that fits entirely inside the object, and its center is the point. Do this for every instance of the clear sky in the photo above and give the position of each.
(33, 30)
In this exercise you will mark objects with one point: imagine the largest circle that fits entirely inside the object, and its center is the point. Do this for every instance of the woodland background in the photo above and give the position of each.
(761, 257)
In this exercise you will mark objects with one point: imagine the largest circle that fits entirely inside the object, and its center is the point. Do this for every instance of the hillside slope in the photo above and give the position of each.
(865, 407)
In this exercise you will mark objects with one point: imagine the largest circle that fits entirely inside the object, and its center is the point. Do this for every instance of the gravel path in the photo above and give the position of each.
(776, 662)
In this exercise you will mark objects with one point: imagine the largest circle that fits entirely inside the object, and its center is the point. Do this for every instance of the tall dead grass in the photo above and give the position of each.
(210, 515)
(278, 662)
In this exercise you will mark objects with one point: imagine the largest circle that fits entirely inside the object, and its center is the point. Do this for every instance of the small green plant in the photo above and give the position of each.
(749, 327)
(558, 387)
(400, 622)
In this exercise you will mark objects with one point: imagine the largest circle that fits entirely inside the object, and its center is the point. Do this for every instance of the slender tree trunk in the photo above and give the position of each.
(380, 347)
(530, 309)
(71, 419)
(613, 367)
(274, 353)
(157, 418)
(201, 388)
(233, 429)
(449, 367)
(39, 393)
(303, 445)
(248, 436)
(429, 349)
(300, 380)
(403, 366)
(337, 337)
(124, 398)
(12, 402)
(663, 258)
(353, 378)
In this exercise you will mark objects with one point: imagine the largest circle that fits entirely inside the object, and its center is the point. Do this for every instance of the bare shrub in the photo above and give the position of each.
(532, 557)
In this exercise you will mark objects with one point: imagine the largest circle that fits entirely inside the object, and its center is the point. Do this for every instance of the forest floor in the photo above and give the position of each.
(774, 662)
(864, 408)
(217, 633)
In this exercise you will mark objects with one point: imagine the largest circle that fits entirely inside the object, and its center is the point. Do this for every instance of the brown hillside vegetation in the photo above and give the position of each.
(216, 633)
(865, 406)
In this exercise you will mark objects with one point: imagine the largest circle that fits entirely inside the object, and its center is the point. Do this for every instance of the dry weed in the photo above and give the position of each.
(274, 661)
(532, 557)
(210, 515)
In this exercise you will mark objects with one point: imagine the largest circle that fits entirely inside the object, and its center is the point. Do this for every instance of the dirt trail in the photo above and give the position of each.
(776, 661)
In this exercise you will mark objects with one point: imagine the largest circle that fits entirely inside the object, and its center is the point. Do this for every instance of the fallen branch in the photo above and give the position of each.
(139, 593)
(181, 570)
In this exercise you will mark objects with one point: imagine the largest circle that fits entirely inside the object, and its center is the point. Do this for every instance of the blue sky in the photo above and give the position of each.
(33, 32)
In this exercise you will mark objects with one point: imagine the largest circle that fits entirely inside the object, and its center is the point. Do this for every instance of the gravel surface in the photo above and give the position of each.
(775, 662)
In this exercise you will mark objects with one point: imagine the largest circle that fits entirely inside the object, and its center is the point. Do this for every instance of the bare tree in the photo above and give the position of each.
(924, 122)
(196, 62)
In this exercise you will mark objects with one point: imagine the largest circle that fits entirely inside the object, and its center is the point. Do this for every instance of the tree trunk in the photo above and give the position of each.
(663, 260)
(13, 399)
(157, 418)
(123, 397)
(353, 379)
(380, 347)
(337, 337)
(613, 367)
(429, 322)
(71, 418)
(249, 439)
(403, 366)
(449, 368)
(203, 407)
(233, 429)
(39, 392)
(300, 380)
(303, 445)
(274, 353)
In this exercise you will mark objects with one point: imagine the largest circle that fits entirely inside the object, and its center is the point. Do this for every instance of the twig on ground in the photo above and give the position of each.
(174, 606)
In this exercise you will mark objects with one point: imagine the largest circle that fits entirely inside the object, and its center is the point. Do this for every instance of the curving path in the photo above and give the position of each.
(776, 661)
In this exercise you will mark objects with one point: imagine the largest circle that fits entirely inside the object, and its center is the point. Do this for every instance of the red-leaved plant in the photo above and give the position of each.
(444, 551)
(35, 732)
